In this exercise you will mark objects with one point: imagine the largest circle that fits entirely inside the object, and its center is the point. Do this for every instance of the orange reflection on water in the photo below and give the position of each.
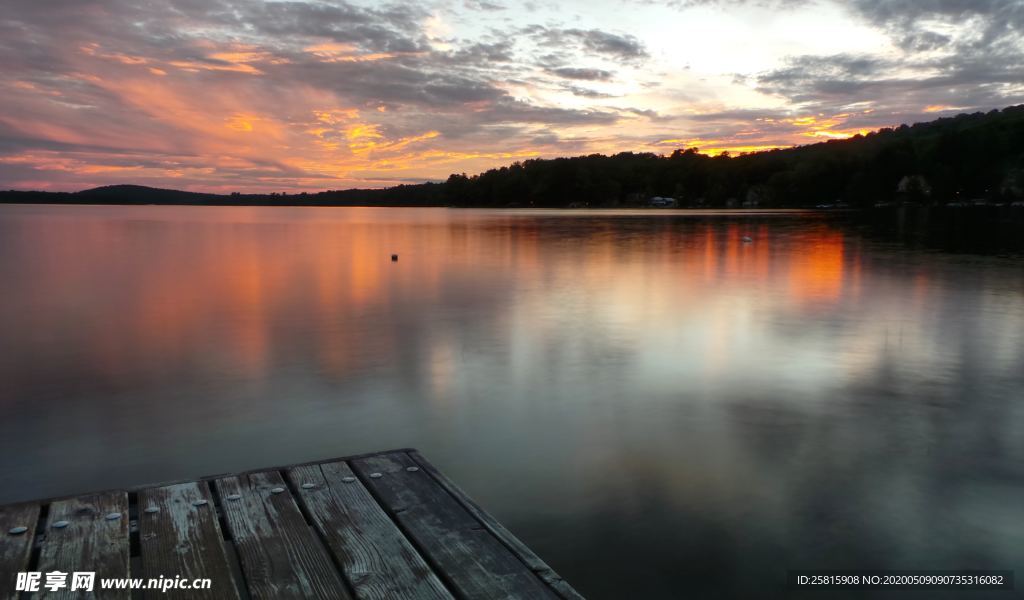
(816, 267)
(248, 290)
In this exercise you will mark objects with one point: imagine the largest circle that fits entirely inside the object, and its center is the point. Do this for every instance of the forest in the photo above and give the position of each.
(967, 159)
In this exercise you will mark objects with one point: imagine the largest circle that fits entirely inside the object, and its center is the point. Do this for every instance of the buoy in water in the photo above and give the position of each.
(394, 258)
(747, 239)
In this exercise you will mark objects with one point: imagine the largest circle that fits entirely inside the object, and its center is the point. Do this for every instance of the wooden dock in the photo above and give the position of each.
(373, 527)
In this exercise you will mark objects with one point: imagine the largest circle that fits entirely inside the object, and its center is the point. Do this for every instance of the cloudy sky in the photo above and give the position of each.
(226, 95)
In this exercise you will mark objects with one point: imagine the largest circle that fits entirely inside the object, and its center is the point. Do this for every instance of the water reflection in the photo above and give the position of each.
(654, 404)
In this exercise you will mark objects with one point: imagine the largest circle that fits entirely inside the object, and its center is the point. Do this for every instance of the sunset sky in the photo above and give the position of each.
(222, 95)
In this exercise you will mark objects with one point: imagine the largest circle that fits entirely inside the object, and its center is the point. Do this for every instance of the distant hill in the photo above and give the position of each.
(967, 159)
(426, 194)
(133, 193)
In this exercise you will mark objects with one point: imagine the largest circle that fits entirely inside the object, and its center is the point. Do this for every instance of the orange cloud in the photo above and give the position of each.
(53, 161)
(715, 147)
(196, 66)
(94, 49)
(240, 122)
(340, 52)
(823, 127)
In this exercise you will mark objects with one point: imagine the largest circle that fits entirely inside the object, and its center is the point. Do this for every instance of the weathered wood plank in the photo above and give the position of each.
(94, 539)
(377, 560)
(179, 537)
(280, 554)
(470, 558)
(407, 533)
(15, 548)
(561, 587)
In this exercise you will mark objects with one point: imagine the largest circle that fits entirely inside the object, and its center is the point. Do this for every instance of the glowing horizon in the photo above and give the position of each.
(311, 95)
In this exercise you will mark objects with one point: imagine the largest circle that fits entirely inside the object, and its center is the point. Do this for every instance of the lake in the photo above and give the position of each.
(656, 406)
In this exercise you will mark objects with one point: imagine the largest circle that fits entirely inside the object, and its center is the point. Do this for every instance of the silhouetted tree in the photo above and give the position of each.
(967, 157)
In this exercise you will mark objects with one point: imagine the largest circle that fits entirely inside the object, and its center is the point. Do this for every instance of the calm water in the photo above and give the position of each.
(653, 405)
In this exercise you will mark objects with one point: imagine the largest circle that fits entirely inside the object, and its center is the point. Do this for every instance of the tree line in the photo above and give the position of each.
(969, 158)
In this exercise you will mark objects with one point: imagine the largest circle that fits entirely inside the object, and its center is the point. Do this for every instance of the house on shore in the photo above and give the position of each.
(662, 202)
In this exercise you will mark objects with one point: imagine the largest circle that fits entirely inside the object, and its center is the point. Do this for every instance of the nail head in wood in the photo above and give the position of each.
(375, 475)
(199, 502)
(308, 486)
(276, 490)
(151, 509)
(60, 524)
(412, 469)
(113, 516)
(348, 479)
(17, 530)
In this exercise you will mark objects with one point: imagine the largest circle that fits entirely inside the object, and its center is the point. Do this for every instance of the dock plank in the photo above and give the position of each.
(280, 554)
(16, 549)
(183, 539)
(376, 558)
(91, 541)
(538, 566)
(370, 527)
(472, 560)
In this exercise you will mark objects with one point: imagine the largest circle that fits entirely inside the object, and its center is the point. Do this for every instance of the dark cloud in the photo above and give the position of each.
(686, 4)
(996, 19)
(805, 78)
(582, 74)
(964, 54)
(957, 53)
(518, 111)
(388, 29)
(908, 86)
(583, 92)
(483, 53)
(546, 139)
(647, 113)
(740, 115)
(483, 5)
(222, 89)
(42, 43)
(218, 92)
(621, 48)
(923, 41)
